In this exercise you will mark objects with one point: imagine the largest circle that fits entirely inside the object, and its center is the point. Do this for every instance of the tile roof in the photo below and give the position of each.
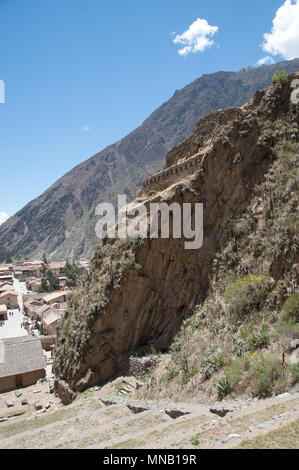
(22, 354)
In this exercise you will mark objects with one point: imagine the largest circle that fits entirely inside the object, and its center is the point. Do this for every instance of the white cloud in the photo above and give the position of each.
(284, 36)
(3, 217)
(197, 38)
(266, 61)
(86, 128)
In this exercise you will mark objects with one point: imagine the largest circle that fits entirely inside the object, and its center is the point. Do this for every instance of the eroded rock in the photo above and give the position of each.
(174, 414)
(107, 402)
(137, 409)
(221, 410)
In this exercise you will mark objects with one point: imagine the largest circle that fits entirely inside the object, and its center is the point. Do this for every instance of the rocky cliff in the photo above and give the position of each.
(139, 291)
(61, 221)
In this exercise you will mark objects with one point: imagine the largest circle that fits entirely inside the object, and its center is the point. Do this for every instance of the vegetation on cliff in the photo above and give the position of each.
(238, 339)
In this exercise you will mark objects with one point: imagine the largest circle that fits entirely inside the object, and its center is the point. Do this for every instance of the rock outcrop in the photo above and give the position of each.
(139, 292)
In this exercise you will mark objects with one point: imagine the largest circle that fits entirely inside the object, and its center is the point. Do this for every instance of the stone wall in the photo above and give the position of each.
(170, 175)
(29, 378)
(47, 341)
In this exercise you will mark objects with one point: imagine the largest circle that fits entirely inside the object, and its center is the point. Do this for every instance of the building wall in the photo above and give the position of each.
(61, 298)
(10, 301)
(7, 383)
(52, 328)
(29, 378)
(3, 316)
(47, 342)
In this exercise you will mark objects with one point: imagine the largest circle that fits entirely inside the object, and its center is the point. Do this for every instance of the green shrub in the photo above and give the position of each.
(264, 373)
(233, 372)
(188, 375)
(171, 373)
(242, 227)
(132, 264)
(280, 76)
(260, 339)
(288, 329)
(246, 295)
(295, 371)
(194, 441)
(290, 309)
(223, 387)
(258, 373)
(213, 362)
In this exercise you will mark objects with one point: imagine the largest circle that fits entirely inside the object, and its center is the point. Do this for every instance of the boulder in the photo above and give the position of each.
(107, 402)
(174, 414)
(64, 391)
(220, 410)
(137, 409)
(295, 344)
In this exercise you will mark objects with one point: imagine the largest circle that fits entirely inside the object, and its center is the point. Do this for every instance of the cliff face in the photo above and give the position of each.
(61, 221)
(138, 292)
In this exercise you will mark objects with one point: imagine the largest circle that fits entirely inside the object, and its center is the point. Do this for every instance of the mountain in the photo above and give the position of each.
(241, 164)
(61, 221)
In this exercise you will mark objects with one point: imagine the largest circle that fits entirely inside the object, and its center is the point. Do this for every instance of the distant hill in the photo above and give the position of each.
(61, 221)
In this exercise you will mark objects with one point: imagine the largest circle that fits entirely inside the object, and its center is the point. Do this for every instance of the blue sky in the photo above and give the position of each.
(81, 74)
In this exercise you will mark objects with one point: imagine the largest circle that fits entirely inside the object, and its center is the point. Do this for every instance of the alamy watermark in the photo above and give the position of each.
(158, 220)
(2, 92)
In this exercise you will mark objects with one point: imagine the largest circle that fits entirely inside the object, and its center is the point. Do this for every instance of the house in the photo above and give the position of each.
(3, 312)
(33, 283)
(9, 298)
(57, 268)
(62, 281)
(5, 286)
(29, 271)
(57, 297)
(6, 269)
(22, 362)
(51, 320)
(41, 311)
(31, 307)
(6, 278)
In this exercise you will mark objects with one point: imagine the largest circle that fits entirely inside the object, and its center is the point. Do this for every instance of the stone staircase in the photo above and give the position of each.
(89, 423)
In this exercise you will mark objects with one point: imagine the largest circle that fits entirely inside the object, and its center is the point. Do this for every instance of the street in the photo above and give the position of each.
(12, 326)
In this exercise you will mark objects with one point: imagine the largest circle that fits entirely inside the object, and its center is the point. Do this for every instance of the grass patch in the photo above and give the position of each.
(23, 426)
(246, 295)
(280, 76)
(286, 437)
(290, 309)
(261, 374)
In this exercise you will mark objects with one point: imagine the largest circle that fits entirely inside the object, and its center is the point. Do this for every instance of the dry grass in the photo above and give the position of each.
(286, 437)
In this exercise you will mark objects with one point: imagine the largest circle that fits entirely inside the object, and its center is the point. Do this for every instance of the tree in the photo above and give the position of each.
(72, 273)
(53, 281)
(8, 259)
(44, 265)
(43, 287)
